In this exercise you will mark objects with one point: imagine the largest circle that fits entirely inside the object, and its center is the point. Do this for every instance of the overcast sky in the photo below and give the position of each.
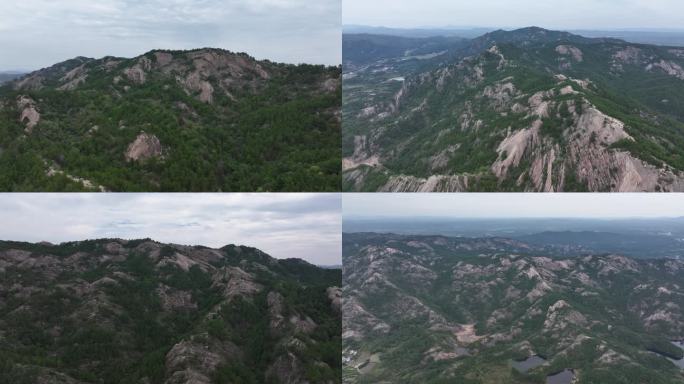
(39, 33)
(552, 14)
(508, 205)
(306, 226)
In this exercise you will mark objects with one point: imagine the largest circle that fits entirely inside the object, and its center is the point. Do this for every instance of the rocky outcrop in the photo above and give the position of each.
(31, 82)
(54, 170)
(137, 73)
(172, 299)
(29, 115)
(275, 310)
(145, 146)
(286, 369)
(669, 67)
(335, 296)
(235, 282)
(194, 83)
(513, 148)
(193, 361)
(435, 183)
(73, 78)
(628, 55)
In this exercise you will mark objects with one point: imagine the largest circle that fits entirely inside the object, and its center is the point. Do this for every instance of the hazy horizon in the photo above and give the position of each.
(508, 27)
(552, 14)
(40, 33)
(284, 225)
(513, 206)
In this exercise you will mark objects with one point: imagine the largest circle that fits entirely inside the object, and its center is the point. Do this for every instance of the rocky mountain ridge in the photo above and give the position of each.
(177, 107)
(524, 110)
(139, 311)
(438, 309)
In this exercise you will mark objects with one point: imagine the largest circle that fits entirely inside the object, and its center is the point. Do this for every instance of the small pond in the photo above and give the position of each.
(563, 377)
(531, 362)
(680, 362)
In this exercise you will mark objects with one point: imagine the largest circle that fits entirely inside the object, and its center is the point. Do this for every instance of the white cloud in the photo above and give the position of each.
(306, 226)
(39, 33)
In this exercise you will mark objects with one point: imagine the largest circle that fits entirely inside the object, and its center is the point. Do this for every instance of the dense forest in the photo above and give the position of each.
(115, 311)
(435, 309)
(215, 121)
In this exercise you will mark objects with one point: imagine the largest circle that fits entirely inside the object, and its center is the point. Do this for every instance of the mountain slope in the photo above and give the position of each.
(201, 120)
(138, 311)
(434, 309)
(525, 110)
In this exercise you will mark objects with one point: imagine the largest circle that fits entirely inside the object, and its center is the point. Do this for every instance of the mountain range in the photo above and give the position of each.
(437, 309)
(6, 76)
(199, 120)
(139, 311)
(523, 110)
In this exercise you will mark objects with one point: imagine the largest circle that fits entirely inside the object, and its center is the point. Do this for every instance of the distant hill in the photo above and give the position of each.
(416, 32)
(634, 245)
(9, 76)
(658, 37)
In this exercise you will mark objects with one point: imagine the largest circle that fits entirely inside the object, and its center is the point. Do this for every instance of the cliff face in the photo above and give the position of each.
(526, 110)
(116, 311)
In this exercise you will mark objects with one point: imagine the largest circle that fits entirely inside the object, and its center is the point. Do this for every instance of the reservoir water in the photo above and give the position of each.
(680, 362)
(564, 377)
(531, 362)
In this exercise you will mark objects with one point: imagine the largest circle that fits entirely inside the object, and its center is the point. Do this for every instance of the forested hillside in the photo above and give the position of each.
(201, 120)
(523, 110)
(435, 309)
(117, 311)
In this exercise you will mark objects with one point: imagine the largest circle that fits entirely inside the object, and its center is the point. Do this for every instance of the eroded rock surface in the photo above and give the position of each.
(145, 146)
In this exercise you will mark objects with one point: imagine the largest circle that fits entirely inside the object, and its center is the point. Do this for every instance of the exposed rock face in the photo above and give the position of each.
(29, 112)
(286, 370)
(669, 67)
(569, 50)
(335, 296)
(435, 183)
(275, 310)
(194, 84)
(145, 146)
(512, 149)
(136, 73)
(54, 170)
(73, 78)
(172, 299)
(460, 122)
(236, 282)
(629, 55)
